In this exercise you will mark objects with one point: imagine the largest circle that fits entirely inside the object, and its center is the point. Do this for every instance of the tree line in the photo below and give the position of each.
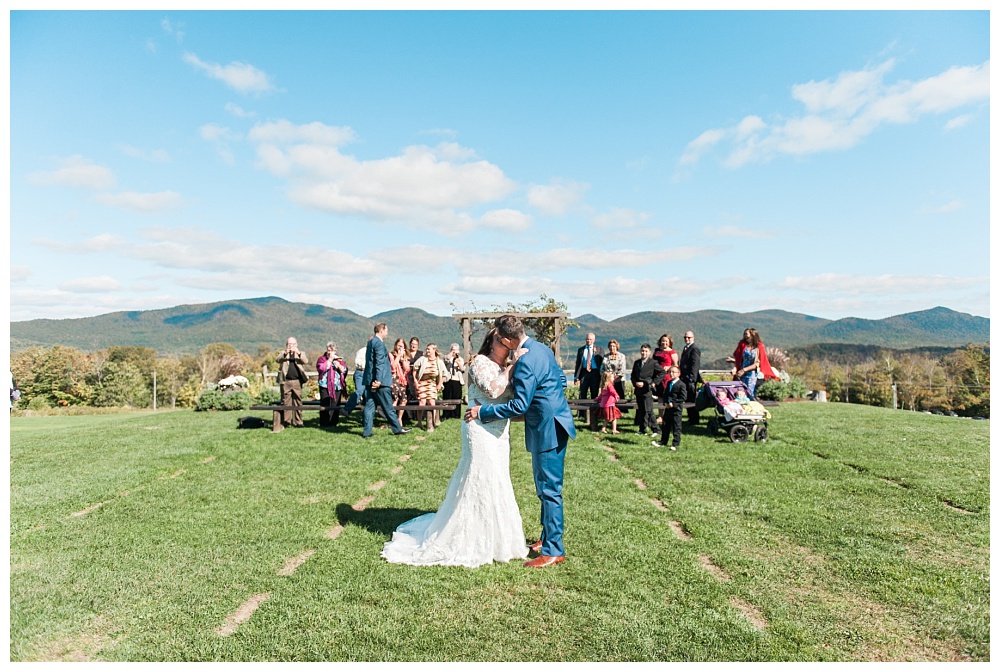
(957, 381)
(123, 375)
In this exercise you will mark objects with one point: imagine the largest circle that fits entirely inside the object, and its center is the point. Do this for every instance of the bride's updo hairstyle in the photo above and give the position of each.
(508, 326)
(487, 345)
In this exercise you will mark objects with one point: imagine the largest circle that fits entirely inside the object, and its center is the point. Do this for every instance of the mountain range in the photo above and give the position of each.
(264, 323)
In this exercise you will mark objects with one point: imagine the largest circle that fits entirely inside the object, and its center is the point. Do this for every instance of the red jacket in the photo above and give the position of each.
(765, 366)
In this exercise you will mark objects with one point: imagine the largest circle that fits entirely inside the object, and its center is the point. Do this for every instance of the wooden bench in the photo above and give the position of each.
(443, 405)
(592, 420)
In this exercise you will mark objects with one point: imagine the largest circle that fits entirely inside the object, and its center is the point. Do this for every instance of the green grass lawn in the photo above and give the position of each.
(855, 533)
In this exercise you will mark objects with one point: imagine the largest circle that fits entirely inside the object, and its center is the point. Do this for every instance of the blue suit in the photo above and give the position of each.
(538, 385)
(377, 367)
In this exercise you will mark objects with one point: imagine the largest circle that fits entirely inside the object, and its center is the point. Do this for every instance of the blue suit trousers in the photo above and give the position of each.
(547, 468)
(383, 397)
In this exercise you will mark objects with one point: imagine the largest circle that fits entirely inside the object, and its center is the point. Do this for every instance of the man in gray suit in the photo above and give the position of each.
(378, 383)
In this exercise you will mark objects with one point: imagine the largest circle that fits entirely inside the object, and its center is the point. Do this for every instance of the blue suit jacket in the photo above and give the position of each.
(377, 366)
(538, 395)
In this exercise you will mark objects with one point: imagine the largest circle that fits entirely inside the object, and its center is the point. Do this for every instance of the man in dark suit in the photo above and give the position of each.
(675, 397)
(647, 374)
(378, 383)
(690, 365)
(587, 373)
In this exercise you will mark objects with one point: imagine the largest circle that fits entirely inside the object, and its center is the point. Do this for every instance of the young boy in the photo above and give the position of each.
(675, 398)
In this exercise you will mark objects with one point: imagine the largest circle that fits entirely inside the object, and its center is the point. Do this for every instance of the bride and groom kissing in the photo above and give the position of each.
(511, 377)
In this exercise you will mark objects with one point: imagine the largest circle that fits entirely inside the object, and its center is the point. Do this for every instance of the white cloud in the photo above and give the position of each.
(556, 198)
(242, 77)
(729, 231)
(609, 293)
(172, 29)
(19, 273)
(527, 263)
(857, 285)
(215, 132)
(506, 220)
(620, 219)
(428, 187)
(840, 113)
(130, 200)
(704, 142)
(958, 122)
(238, 111)
(284, 132)
(157, 155)
(100, 284)
(76, 171)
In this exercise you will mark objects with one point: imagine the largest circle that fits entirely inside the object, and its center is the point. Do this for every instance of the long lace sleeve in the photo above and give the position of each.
(488, 375)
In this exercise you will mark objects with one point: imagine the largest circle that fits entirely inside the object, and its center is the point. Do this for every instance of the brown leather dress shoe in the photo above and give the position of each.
(545, 561)
(535, 547)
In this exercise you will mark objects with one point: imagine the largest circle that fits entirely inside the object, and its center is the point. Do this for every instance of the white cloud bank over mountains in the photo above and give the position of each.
(841, 112)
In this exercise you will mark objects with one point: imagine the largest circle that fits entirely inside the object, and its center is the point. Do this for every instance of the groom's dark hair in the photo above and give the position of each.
(508, 326)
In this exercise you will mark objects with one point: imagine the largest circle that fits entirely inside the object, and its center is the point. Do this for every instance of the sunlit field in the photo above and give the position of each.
(855, 533)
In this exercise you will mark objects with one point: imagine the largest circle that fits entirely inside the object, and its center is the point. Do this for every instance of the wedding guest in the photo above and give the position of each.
(454, 379)
(587, 372)
(332, 382)
(690, 365)
(358, 395)
(676, 394)
(667, 357)
(378, 381)
(291, 376)
(414, 353)
(399, 358)
(428, 373)
(616, 363)
(750, 361)
(607, 410)
(647, 374)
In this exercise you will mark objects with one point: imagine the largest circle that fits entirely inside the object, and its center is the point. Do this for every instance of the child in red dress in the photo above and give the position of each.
(606, 400)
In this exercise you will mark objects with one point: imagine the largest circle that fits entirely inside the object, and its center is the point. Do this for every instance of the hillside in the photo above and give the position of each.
(250, 324)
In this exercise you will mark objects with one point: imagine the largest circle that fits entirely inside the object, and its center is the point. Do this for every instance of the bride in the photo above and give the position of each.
(479, 521)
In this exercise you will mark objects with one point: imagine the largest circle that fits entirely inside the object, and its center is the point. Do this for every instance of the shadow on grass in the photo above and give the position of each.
(379, 521)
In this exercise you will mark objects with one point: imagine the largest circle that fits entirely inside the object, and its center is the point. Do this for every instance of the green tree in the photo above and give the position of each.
(968, 371)
(122, 384)
(59, 375)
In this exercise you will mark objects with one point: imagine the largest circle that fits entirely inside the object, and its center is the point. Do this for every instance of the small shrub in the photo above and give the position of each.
(776, 390)
(268, 396)
(217, 400)
(209, 400)
(37, 404)
(236, 401)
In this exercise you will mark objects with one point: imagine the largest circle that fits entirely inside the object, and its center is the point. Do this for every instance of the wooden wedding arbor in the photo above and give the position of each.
(467, 318)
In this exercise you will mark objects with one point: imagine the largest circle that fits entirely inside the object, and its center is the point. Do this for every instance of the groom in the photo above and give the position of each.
(538, 385)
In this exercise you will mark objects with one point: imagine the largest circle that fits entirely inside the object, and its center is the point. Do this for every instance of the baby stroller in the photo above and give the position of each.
(740, 422)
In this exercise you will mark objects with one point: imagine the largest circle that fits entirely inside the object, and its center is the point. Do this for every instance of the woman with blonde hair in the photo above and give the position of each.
(615, 363)
(428, 373)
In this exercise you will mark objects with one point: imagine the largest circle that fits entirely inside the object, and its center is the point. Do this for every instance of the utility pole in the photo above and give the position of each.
(154, 389)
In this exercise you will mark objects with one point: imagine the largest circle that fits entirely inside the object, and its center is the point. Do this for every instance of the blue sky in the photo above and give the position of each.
(830, 163)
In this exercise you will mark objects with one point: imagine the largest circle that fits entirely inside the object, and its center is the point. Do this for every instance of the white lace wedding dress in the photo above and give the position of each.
(479, 521)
